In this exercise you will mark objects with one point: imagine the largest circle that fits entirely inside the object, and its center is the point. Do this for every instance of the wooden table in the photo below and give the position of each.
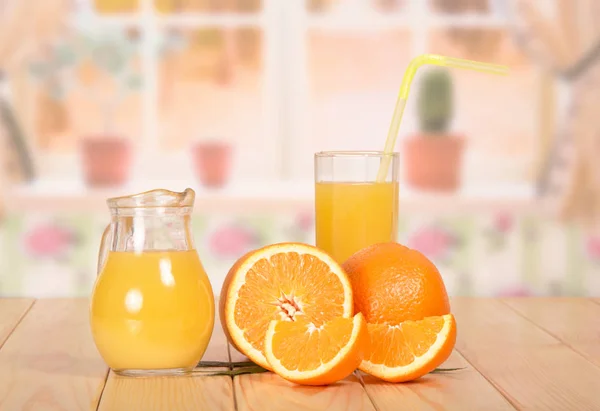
(534, 354)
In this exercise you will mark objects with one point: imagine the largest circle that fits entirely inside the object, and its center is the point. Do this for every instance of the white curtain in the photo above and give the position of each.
(564, 39)
(25, 26)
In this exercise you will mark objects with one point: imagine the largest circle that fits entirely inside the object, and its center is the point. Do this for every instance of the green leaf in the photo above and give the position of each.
(108, 58)
(226, 364)
(56, 92)
(133, 82)
(65, 56)
(256, 369)
(248, 367)
(443, 370)
(38, 69)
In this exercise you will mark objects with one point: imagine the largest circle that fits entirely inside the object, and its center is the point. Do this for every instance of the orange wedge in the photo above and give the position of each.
(409, 350)
(306, 354)
(287, 281)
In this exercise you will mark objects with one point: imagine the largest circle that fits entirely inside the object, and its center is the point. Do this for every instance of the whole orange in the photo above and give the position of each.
(393, 283)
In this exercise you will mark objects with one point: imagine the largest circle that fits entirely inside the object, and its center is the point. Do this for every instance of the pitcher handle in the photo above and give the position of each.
(104, 247)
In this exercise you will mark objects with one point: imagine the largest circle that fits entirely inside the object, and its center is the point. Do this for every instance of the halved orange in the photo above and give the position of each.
(286, 281)
(409, 350)
(306, 354)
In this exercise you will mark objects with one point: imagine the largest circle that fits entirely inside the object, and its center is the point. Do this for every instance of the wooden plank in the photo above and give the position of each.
(574, 321)
(527, 365)
(50, 360)
(193, 392)
(267, 391)
(543, 378)
(181, 393)
(568, 319)
(12, 311)
(489, 313)
(460, 390)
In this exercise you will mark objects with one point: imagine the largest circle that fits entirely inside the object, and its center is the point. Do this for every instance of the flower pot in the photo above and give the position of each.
(212, 163)
(106, 160)
(433, 163)
(388, 5)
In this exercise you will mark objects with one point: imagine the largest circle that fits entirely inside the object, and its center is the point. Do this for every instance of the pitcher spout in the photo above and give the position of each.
(159, 198)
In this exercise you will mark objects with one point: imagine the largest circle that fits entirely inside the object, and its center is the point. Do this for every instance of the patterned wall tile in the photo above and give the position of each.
(446, 240)
(12, 273)
(591, 249)
(501, 256)
(43, 248)
(486, 254)
(4, 265)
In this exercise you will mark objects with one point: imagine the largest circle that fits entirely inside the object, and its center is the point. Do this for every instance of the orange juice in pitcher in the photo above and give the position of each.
(152, 308)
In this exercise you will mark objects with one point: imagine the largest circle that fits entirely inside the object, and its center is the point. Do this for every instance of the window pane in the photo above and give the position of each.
(354, 80)
(204, 6)
(211, 89)
(500, 127)
(85, 84)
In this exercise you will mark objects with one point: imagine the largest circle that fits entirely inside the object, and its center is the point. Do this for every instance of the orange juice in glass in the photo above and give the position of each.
(152, 308)
(352, 209)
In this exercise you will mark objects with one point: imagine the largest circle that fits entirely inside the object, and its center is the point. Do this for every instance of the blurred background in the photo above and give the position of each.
(232, 97)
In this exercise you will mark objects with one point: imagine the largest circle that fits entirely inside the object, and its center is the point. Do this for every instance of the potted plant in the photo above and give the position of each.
(51, 71)
(212, 162)
(106, 154)
(433, 158)
(80, 62)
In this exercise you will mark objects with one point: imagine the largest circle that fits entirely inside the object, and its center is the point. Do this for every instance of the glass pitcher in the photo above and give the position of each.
(152, 308)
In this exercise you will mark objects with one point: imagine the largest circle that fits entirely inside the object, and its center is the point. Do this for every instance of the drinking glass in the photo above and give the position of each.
(352, 208)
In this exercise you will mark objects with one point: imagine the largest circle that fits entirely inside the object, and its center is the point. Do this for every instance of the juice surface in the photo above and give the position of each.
(351, 216)
(152, 310)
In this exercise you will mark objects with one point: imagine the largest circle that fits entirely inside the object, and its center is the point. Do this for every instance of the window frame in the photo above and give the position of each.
(285, 26)
(418, 17)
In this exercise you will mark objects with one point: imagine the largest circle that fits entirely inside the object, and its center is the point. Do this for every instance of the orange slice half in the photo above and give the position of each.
(306, 354)
(409, 350)
(287, 281)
